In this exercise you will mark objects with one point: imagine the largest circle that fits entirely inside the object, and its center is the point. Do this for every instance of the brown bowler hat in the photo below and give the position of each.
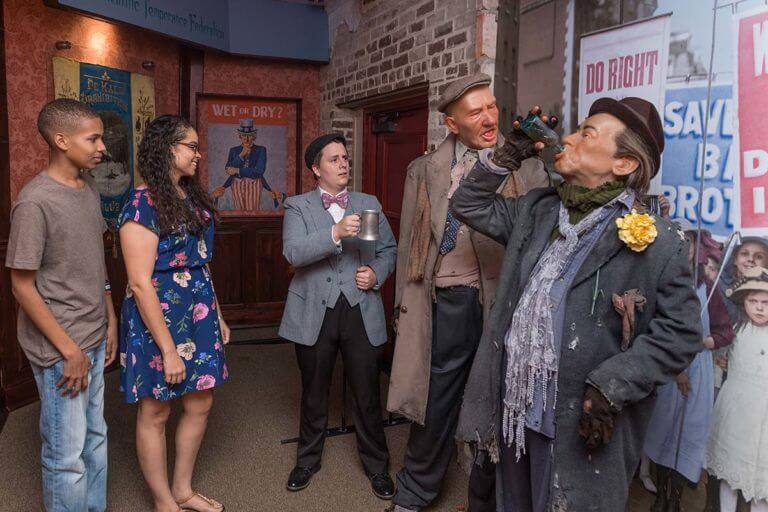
(457, 88)
(641, 117)
(754, 280)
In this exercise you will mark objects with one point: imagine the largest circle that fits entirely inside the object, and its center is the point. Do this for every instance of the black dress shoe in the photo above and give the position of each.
(300, 477)
(383, 486)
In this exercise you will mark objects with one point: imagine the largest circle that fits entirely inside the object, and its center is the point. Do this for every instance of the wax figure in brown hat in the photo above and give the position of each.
(446, 278)
(333, 305)
(562, 388)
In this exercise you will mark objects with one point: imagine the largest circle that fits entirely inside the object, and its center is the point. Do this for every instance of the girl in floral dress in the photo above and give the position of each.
(172, 333)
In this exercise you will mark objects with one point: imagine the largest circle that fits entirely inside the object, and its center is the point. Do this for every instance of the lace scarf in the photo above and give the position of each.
(529, 343)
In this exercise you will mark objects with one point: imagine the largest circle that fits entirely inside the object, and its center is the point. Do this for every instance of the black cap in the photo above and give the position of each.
(317, 145)
(459, 88)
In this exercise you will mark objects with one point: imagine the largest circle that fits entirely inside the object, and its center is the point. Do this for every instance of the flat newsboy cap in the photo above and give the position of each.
(457, 88)
(641, 117)
(317, 145)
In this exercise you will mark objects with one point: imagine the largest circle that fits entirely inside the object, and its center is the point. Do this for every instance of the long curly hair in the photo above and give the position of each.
(155, 164)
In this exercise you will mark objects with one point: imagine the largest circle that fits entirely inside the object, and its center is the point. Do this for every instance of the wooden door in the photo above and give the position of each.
(394, 135)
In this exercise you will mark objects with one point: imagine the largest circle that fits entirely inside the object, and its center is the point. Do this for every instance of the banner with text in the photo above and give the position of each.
(684, 116)
(752, 133)
(625, 61)
(126, 104)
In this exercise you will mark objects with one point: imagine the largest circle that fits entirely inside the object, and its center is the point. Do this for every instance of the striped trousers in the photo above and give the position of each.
(246, 194)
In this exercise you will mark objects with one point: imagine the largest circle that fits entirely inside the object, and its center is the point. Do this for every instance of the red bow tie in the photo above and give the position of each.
(340, 199)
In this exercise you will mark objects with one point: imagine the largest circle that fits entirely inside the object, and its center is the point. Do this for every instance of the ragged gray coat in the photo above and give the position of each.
(667, 337)
(411, 365)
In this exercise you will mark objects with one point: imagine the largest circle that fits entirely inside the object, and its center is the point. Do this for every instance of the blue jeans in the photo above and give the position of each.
(74, 436)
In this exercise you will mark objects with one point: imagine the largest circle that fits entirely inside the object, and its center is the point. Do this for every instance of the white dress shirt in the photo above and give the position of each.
(336, 211)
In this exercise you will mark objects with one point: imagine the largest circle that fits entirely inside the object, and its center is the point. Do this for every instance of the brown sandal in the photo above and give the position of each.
(209, 501)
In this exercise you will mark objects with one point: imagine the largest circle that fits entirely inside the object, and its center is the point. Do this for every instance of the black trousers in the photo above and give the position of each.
(342, 329)
(482, 485)
(457, 324)
(526, 481)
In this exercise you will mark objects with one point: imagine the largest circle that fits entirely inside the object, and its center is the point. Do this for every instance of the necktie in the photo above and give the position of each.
(340, 199)
(452, 224)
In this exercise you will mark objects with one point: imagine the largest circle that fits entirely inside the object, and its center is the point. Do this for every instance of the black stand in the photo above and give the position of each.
(342, 429)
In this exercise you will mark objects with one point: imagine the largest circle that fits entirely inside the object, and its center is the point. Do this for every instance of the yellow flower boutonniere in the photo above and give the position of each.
(637, 230)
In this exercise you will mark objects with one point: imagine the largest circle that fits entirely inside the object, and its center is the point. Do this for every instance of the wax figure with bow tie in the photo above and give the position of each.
(595, 308)
(333, 305)
(446, 279)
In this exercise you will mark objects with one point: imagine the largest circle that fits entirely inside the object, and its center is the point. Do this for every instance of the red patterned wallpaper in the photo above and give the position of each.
(225, 74)
(31, 29)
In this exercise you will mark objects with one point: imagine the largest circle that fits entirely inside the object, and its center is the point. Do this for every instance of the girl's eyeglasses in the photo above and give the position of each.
(191, 145)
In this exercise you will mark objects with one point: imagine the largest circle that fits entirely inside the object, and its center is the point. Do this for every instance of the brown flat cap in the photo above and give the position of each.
(457, 88)
(641, 117)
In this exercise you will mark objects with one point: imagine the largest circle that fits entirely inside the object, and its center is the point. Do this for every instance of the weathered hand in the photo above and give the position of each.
(231, 170)
(597, 419)
(245, 152)
(347, 227)
(518, 146)
(365, 278)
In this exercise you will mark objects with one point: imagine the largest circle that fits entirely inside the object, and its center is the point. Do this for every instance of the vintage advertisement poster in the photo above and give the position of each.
(627, 61)
(752, 107)
(126, 103)
(249, 147)
(684, 117)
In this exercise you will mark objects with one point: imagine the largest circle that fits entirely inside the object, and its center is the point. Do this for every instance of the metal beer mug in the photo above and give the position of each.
(369, 225)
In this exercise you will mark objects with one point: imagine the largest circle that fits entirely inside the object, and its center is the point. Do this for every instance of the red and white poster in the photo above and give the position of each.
(627, 61)
(751, 184)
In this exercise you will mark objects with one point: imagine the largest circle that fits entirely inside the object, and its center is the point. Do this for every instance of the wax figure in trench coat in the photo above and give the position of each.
(561, 377)
(333, 305)
(444, 288)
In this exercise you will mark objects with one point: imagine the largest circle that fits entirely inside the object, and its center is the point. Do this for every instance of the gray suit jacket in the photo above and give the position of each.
(324, 271)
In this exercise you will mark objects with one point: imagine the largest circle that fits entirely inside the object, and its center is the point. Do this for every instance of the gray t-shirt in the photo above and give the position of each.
(57, 231)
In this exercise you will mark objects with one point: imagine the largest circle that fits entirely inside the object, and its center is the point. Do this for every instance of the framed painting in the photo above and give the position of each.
(250, 149)
(126, 104)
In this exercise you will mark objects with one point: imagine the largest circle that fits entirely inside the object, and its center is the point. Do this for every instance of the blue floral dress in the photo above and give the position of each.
(185, 290)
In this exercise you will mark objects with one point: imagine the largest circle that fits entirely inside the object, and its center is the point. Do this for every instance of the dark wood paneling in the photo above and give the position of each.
(18, 383)
(190, 81)
(250, 274)
(228, 249)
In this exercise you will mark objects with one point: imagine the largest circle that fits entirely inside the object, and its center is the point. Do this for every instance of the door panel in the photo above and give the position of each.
(395, 135)
(250, 274)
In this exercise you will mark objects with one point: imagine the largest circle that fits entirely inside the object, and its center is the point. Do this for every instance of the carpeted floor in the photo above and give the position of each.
(242, 462)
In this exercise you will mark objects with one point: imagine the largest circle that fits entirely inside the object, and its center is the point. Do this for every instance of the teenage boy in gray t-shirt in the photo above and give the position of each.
(67, 325)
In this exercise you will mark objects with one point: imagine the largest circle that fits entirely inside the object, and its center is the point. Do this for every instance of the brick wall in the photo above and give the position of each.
(381, 46)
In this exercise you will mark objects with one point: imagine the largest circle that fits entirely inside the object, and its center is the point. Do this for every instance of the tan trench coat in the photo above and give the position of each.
(409, 381)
